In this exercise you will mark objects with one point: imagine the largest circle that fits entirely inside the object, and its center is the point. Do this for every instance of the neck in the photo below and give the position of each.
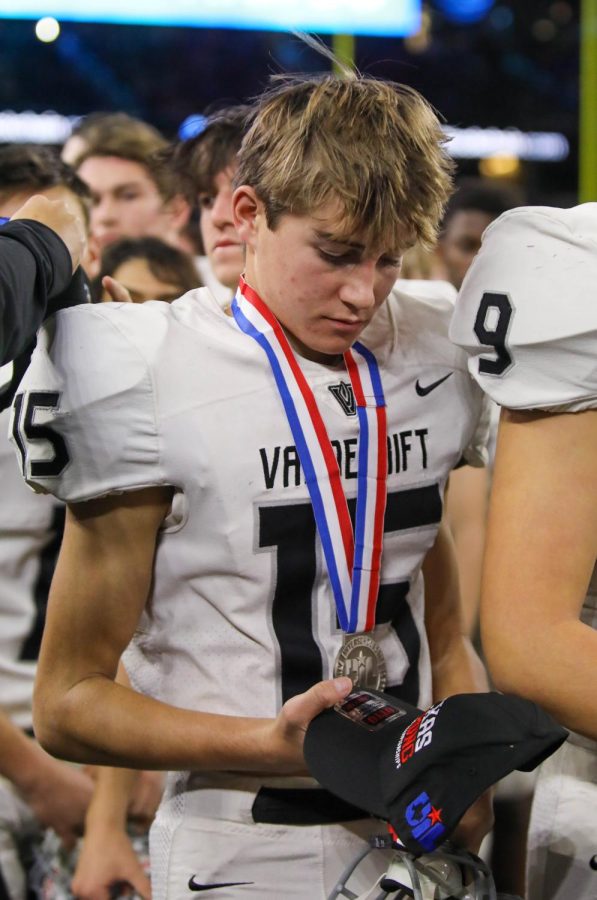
(333, 360)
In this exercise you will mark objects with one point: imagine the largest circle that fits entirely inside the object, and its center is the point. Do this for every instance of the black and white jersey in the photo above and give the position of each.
(30, 533)
(527, 315)
(120, 397)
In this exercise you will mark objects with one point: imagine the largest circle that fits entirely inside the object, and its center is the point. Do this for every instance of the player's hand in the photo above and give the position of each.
(146, 797)
(107, 858)
(62, 218)
(59, 795)
(476, 823)
(115, 290)
(288, 731)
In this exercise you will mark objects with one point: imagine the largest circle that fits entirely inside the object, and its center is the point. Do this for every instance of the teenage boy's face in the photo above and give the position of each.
(323, 289)
(222, 244)
(126, 201)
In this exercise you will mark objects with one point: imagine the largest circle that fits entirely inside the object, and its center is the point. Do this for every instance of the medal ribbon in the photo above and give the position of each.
(353, 559)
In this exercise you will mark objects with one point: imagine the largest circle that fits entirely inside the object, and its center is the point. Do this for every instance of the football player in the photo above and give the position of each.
(525, 314)
(211, 462)
(36, 791)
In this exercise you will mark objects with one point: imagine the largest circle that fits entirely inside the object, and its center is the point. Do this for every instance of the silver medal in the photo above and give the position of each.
(362, 660)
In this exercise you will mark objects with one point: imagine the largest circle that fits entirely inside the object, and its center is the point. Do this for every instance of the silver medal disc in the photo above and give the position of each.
(361, 659)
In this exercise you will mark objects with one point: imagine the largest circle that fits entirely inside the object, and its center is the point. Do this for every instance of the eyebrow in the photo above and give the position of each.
(338, 239)
(127, 185)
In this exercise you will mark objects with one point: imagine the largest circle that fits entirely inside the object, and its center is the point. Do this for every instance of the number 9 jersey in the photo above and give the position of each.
(527, 311)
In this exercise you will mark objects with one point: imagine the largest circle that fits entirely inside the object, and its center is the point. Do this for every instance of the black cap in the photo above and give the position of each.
(422, 770)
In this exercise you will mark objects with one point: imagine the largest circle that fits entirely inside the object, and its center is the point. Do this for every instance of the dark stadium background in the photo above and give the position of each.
(517, 67)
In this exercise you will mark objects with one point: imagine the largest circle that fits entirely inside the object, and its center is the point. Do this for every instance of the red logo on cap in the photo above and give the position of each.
(434, 816)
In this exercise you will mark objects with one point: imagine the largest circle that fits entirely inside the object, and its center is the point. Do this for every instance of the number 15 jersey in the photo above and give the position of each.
(120, 397)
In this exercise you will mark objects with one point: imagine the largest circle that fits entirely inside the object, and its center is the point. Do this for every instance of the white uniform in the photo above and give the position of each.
(527, 316)
(30, 533)
(242, 616)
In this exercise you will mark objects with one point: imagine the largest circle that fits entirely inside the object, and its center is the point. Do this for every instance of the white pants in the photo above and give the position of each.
(563, 828)
(208, 836)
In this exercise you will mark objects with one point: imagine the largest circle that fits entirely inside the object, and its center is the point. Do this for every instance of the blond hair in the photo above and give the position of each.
(374, 147)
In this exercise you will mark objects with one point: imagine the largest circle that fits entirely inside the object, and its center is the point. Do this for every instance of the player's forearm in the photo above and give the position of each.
(20, 757)
(111, 797)
(455, 666)
(554, 665)
(458, 671)
(98, 721)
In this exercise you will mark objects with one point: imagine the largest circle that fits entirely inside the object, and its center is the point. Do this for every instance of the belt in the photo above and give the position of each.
(302, 806)
(268, 805)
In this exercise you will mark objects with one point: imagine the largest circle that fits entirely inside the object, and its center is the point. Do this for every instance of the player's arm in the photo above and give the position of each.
(107, 856)
(541, 550)
(455, 666)
(466, 503)
(57, 793)
(101, 584)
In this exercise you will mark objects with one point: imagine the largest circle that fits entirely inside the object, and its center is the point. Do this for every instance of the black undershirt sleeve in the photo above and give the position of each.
(35, 270)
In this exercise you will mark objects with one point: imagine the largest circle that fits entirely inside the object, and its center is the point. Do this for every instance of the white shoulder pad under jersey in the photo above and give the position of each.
(421, 311)
(88, 396)
(527, 310)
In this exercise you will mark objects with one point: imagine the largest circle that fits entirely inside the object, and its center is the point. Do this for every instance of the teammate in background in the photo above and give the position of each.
(475, 203)
(147, 269)
(36, 791)
(526, 314)
(206, 166)
(194, 523)
(133, 195)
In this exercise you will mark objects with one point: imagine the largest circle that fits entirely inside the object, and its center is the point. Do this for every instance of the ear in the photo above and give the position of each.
(179, 211)
(247, 212)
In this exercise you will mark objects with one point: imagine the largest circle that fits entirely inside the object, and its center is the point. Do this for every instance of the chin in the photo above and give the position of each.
(229, 277)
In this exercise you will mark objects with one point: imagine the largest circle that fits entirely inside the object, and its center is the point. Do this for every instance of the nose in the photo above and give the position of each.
(221, 211)
(358, 287)
(103, 211)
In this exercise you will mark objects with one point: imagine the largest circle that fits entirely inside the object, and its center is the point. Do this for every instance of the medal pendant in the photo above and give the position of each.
(362, 660)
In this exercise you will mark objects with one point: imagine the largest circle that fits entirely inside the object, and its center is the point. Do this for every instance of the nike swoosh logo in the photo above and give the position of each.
(422, 391)
(195, 886)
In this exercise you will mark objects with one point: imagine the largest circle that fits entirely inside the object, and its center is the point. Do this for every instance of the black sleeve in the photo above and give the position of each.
(35, 266)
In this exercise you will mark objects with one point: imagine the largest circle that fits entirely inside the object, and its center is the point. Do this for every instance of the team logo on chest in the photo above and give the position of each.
(344, 395)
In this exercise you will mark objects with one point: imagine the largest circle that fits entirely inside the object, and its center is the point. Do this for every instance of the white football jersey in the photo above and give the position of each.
(120, 397)
(30, 533)
(526, 314)
(526, 311)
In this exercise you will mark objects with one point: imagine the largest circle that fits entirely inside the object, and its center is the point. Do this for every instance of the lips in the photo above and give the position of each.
(222, 245)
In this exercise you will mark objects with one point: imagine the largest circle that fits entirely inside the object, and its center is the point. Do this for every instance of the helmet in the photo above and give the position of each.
(444, 874)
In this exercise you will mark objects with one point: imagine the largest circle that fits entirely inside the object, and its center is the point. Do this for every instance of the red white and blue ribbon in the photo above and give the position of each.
(353, 559)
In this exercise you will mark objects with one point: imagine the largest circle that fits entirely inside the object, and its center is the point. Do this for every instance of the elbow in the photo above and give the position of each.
(507, 658)
(513, 666)
(51, 728)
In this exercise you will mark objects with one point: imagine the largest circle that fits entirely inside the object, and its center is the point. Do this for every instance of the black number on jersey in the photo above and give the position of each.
(497, 307)
(41, 586)
(291, 530)
(24, 429)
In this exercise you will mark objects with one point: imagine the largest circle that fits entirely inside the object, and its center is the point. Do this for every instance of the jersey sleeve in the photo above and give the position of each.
(85, 420)
(427, 320)
(527, 310)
